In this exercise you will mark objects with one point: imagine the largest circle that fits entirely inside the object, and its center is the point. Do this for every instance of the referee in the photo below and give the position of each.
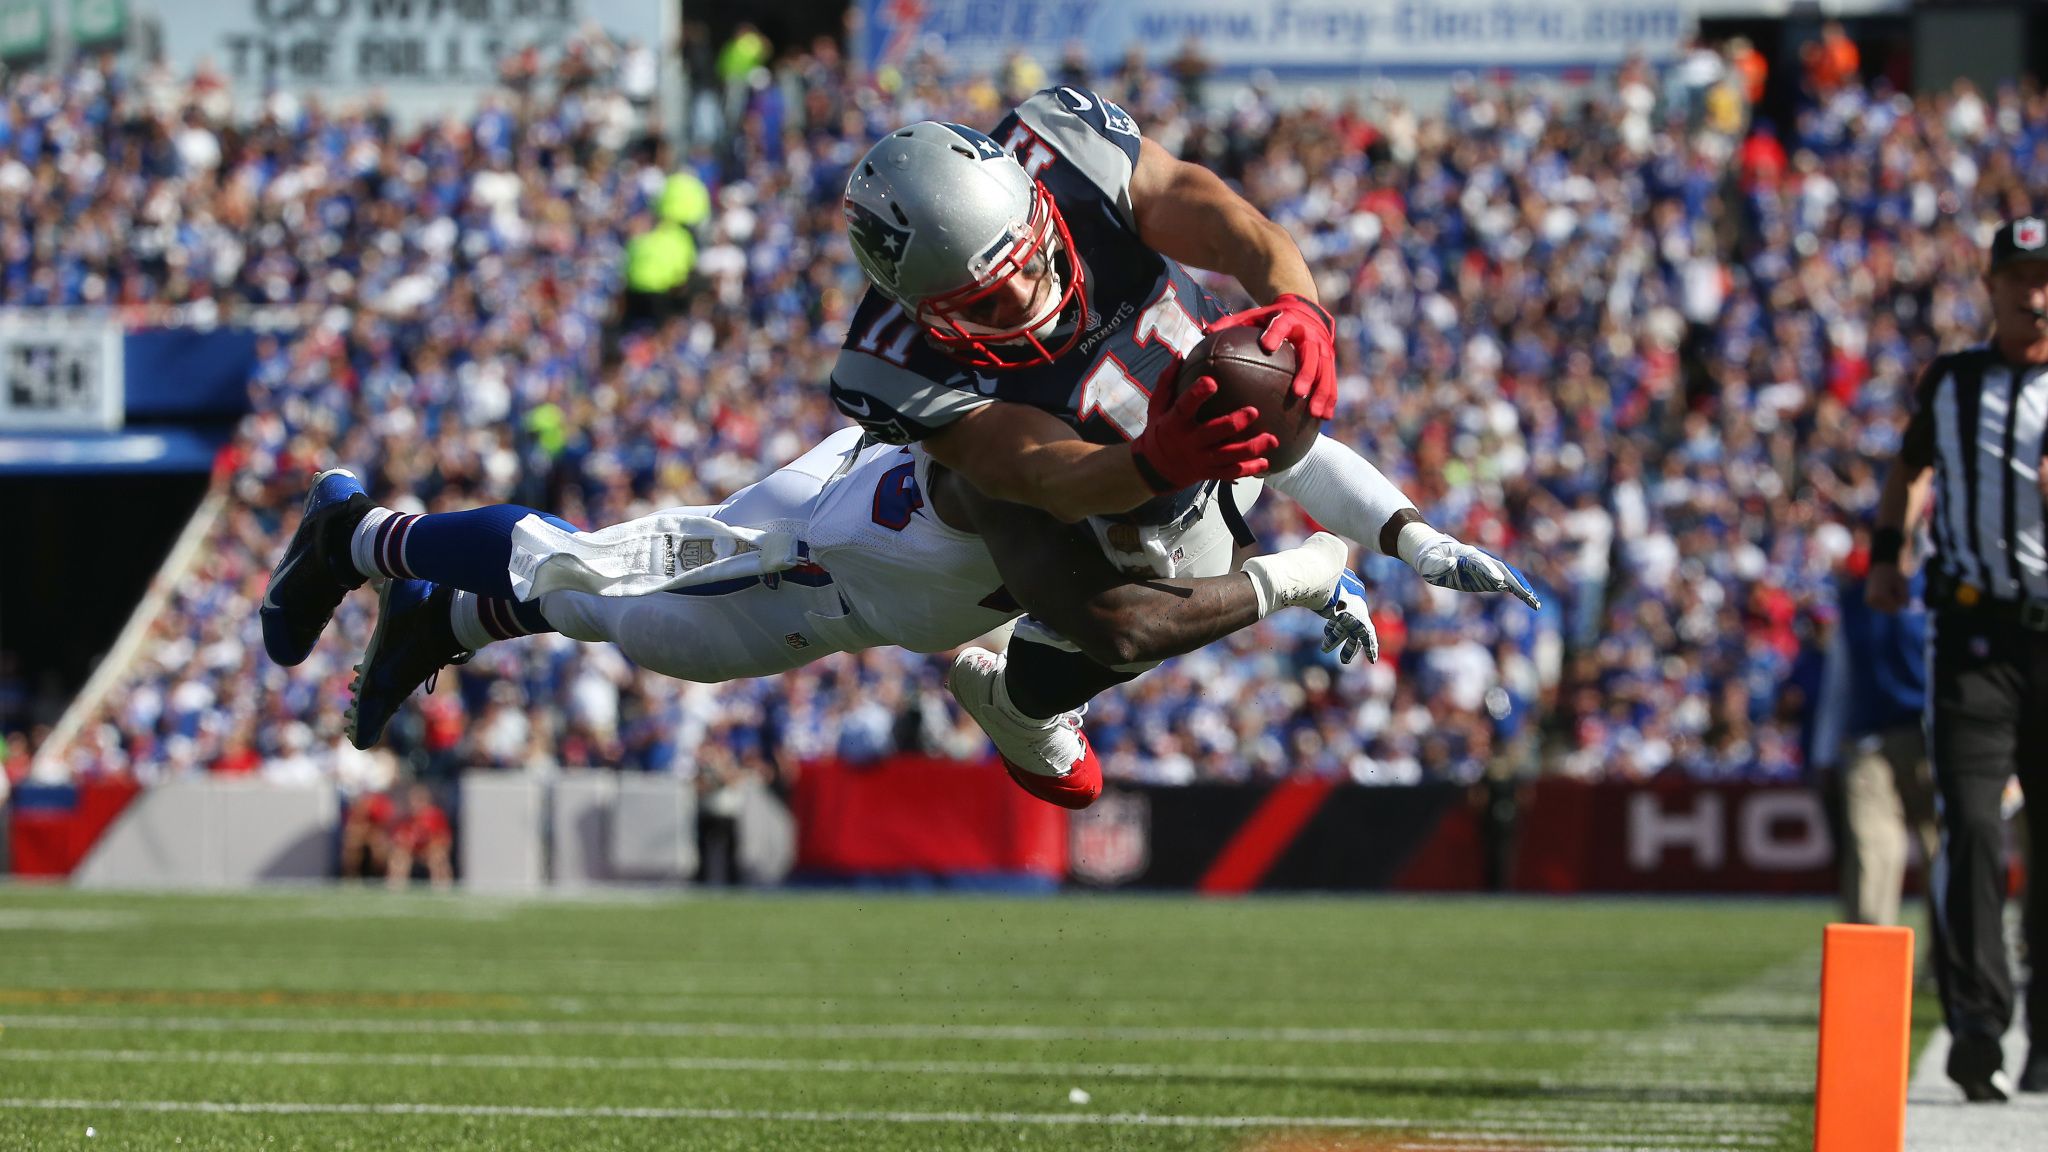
(1973, 447)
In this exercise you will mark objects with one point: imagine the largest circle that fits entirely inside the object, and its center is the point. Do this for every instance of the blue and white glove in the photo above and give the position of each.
(1446, 563)
(1350, 622)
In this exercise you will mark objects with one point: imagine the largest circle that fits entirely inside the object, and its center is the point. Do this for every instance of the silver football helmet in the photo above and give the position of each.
(951, 227)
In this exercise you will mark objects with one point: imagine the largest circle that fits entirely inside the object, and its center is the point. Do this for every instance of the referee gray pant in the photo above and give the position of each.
(1987, 719)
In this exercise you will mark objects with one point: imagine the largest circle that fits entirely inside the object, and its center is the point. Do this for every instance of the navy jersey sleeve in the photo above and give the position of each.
(896, 404)
(1089, 132)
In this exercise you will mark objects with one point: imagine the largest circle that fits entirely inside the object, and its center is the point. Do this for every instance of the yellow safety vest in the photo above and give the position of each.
(660, 259)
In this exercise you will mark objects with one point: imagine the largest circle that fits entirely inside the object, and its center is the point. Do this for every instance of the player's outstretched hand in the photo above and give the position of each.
(1297, 320)
(1447, 563)
(1349, 629)
(1179, 449)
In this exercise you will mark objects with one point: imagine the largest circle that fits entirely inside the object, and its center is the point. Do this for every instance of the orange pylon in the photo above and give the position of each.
(1866, 1024)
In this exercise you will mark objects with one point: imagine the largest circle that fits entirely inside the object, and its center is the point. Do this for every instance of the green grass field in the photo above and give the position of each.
(367, 1020)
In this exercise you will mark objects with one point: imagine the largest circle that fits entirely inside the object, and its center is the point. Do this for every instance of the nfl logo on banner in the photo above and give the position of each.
(1112, 839)
(2029, 233)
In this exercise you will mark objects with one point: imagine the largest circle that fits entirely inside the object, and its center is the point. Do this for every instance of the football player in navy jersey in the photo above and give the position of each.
(1030, 294)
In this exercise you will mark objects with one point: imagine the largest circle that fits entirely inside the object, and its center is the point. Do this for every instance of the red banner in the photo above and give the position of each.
(913, 815)
(1673, 836)
(909, 816)
(51, 828)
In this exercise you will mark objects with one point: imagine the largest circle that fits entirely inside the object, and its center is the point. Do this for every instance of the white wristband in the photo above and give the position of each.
(1414, 537)
(1262, 585)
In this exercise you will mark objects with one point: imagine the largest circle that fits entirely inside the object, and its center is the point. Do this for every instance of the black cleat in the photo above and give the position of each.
(309, 582)
(414, 640)
(1976, 1064)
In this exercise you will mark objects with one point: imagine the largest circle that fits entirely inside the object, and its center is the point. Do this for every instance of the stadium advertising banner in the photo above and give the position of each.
(1331, 39)
(24, 29)
(60, 372)
(916, 819)
(1674, 835)
(1300, 834)
(428, 57)
(932, 819)
(98, 22)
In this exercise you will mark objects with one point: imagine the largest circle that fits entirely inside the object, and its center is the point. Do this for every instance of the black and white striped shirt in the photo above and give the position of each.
(1979, 421)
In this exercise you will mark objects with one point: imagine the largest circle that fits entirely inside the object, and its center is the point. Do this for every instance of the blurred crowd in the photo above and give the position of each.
(1632, 335)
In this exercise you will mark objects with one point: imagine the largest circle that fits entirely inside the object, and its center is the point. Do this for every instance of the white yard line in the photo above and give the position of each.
(1457, 1131)
(787, 1116)
(1769, 1058)
(756, 1029)
(523, 1111)
(1337, 1074)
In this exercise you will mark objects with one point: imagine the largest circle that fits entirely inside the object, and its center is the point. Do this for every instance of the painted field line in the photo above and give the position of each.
(838, 1116)
(1341, 1074)
(1522, 1146)
(758, 1030)
(1458, 1131)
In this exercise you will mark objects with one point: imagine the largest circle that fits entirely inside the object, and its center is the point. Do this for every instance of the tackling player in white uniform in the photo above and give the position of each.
(853, 545)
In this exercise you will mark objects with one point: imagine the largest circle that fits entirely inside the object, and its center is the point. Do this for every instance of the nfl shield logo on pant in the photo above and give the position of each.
(1112, 839)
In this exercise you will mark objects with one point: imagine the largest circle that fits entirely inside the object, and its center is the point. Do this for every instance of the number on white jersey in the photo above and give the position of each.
(897, 497)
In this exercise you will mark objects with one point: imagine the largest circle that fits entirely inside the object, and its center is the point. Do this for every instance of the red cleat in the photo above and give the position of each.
(1077, 789)
(1067, 772)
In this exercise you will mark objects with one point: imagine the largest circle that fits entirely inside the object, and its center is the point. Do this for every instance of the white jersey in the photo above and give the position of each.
(916, 582)
(880, 569)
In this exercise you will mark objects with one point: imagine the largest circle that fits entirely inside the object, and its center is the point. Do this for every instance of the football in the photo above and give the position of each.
(1247, 374)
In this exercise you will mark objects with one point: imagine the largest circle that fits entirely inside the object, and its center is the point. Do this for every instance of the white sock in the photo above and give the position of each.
(362, 544)
(468, 622)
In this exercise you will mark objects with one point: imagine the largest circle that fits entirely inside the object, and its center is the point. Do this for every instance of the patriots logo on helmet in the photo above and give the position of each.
(881, 242)
(2029, 233)
(983, 144)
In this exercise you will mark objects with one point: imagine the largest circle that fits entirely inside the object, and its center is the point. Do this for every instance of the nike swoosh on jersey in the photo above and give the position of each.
(860, 409)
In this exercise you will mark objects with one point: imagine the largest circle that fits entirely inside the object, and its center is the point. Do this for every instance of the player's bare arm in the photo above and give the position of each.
(1908, 492)
(1024, 455)
(1188, 213)
(1059, 574)
(1019, 454)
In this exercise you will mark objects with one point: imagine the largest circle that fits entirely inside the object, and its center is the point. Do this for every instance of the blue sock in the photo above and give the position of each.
(469, 550)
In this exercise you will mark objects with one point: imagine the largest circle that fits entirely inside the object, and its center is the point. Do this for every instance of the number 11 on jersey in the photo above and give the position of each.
(1110, 391)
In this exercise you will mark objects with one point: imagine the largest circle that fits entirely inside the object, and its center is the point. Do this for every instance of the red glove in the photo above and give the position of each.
(1302, 322)
(1178, 449)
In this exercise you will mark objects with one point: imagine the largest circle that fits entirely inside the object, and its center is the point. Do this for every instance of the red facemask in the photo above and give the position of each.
(1043, 247)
